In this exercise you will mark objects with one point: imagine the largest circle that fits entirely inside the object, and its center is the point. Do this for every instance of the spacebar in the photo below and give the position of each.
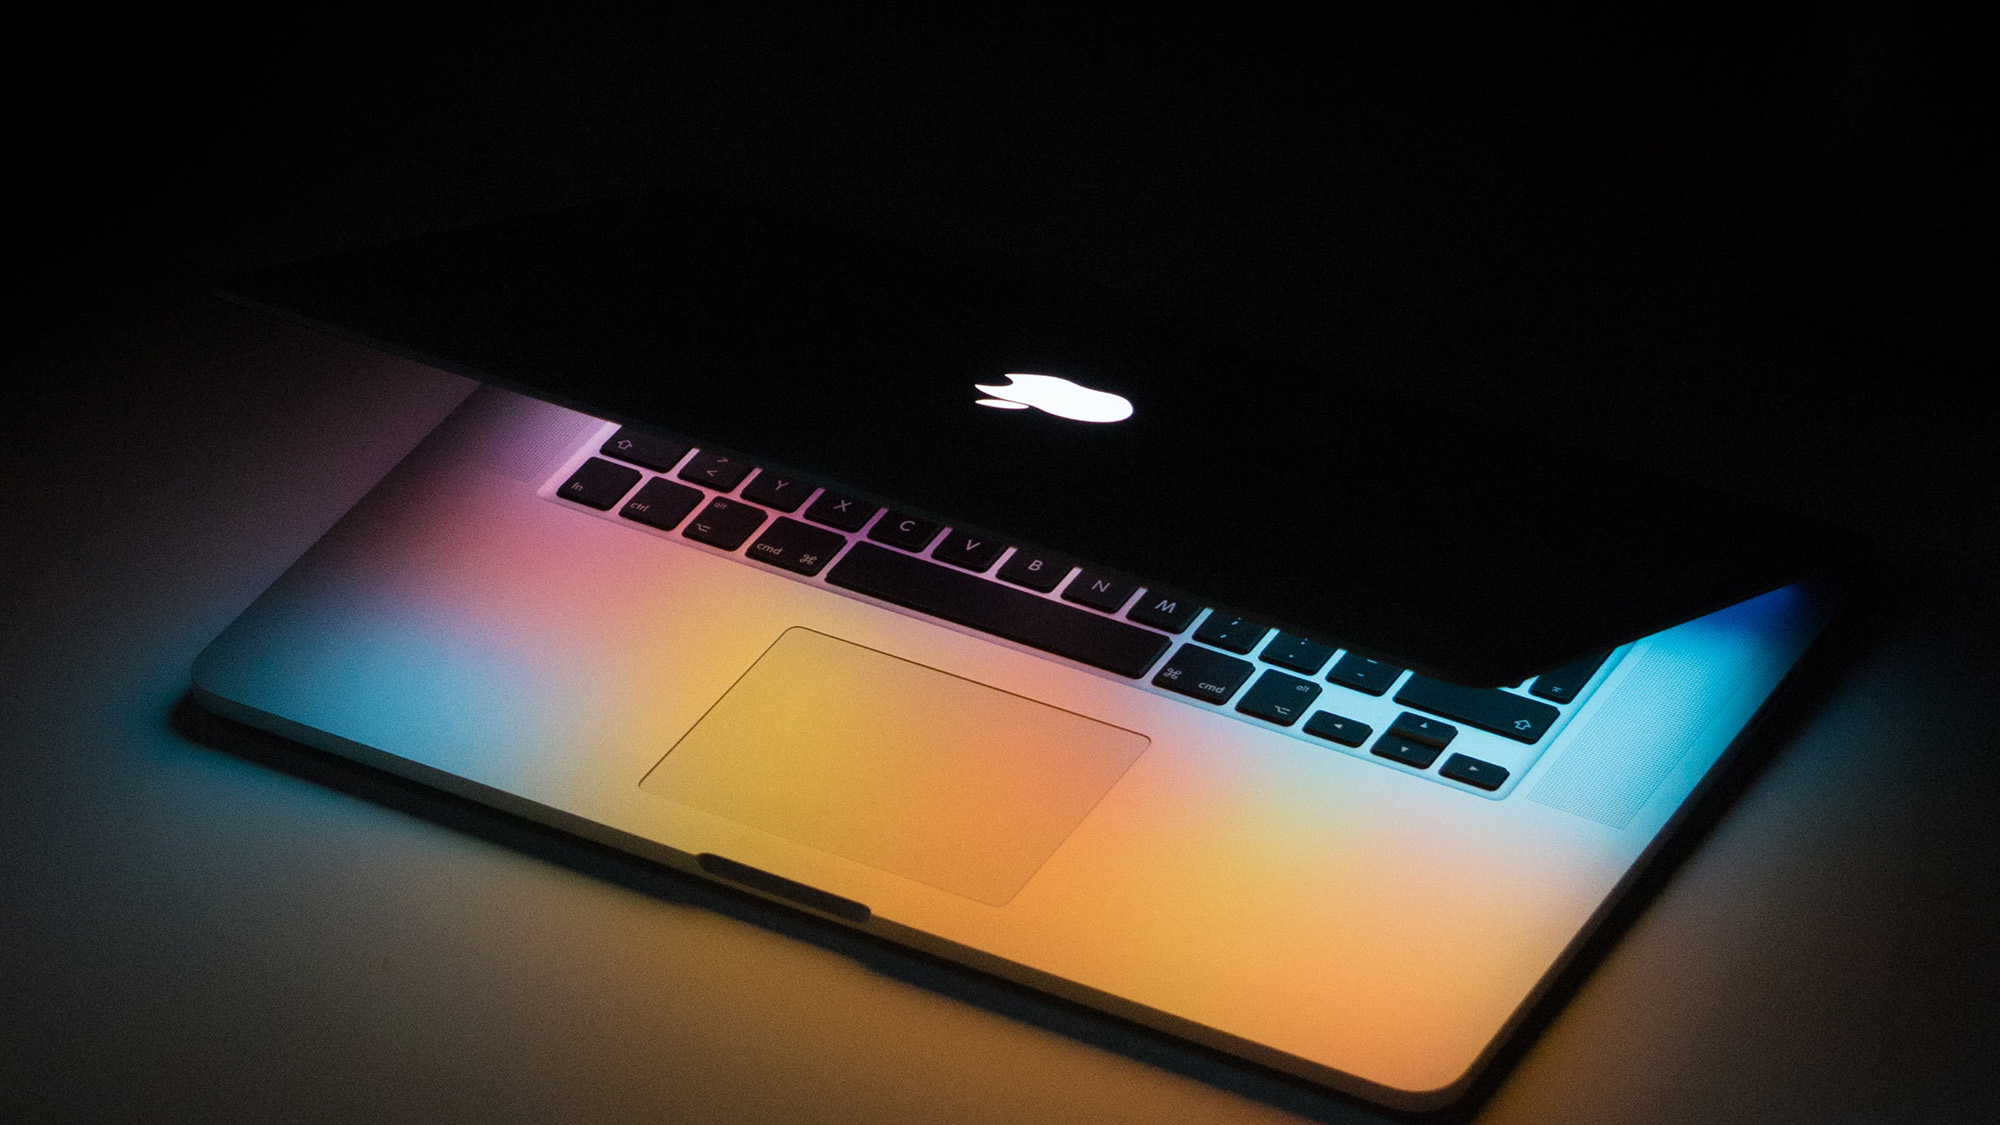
(1001, 610)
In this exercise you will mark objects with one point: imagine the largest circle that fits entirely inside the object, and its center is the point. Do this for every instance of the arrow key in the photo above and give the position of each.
(1418, 728)
(1473, 772)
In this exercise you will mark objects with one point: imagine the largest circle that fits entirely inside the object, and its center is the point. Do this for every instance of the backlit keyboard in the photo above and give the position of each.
(1312, 688)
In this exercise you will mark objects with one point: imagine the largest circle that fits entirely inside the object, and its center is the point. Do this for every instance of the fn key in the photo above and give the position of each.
(599, 484)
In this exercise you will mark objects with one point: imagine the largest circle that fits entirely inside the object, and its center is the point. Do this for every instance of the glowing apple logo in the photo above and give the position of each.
(1057, 396)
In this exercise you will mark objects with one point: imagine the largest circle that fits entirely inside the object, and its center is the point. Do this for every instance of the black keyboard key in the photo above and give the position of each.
(712, 468)
(1338, 728)
(724, 523)
(1561, 685)
(899, 529)
(1203, 673)
(1420, 728)
(662, 504)
(1413, 754)
(1489, 709)
(1364, 674)
(1473, 772)
(1001, 610)
(598, 483)
(1297, 653)
(645, 450)
(973, 552)
(1232, 633)
(1278, 698)
(843, 512)
(1037, 570)
(1099, 592)
(1164, 609)
(774, 491)
(798, 547)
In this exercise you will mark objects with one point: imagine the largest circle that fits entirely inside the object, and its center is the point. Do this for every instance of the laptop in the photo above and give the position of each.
(1223, 696)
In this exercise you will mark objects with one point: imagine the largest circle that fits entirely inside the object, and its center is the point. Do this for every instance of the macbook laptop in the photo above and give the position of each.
(1230, 698)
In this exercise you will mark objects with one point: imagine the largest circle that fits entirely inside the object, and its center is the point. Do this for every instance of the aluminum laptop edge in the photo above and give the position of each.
(1356, 915)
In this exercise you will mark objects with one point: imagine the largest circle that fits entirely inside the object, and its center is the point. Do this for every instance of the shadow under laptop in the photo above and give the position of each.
(1798, 700)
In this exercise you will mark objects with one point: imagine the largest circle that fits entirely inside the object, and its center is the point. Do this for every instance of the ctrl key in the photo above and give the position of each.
(1204, 674)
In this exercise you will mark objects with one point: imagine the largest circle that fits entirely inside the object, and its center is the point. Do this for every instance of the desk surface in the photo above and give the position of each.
(197, 922)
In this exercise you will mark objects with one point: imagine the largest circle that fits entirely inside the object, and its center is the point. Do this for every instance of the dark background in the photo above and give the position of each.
(1754, 252)
(1755, 249)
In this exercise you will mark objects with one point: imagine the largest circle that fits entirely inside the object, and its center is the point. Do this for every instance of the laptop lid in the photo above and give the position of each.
(1313, 498)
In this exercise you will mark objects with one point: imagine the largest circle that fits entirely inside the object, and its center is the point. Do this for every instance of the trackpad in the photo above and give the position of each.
(874, 758)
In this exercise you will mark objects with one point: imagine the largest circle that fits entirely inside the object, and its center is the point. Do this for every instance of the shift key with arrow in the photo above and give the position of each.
(1489, 709)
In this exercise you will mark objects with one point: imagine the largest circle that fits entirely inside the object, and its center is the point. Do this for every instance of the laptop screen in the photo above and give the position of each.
(1314, 498)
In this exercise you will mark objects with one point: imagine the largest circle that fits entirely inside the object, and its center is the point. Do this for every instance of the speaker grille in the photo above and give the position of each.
(1614, 765)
